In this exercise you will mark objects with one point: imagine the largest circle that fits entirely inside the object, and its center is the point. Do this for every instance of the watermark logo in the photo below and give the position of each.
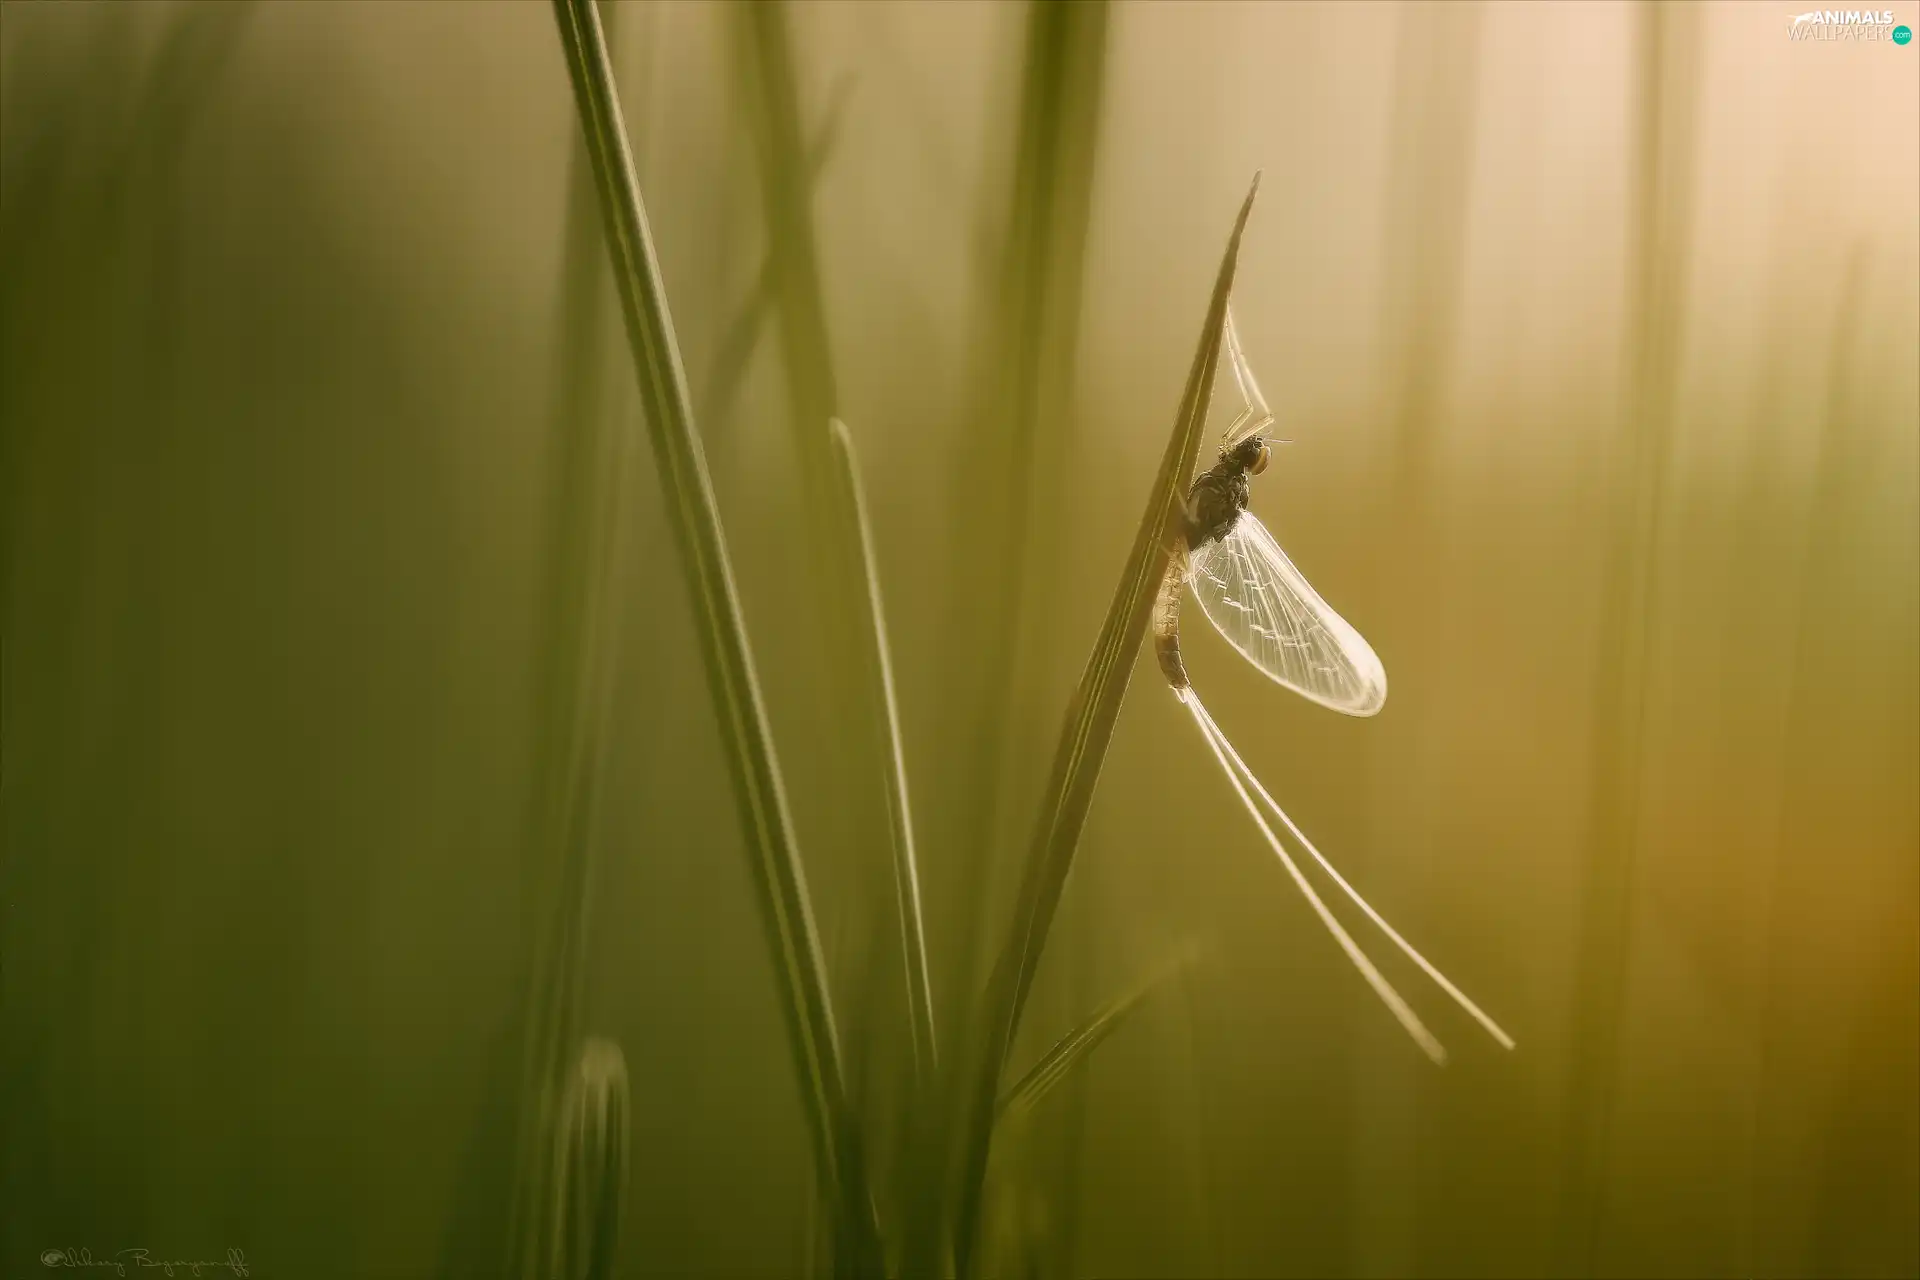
(1847, 24)
(145, 1262)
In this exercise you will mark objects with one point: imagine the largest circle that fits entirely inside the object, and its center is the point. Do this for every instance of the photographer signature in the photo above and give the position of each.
(234, 1264)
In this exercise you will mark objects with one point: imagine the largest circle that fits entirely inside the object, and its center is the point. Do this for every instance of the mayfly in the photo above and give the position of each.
(1266, 609)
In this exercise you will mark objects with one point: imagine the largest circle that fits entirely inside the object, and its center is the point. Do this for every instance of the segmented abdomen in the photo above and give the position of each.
(1166, 622)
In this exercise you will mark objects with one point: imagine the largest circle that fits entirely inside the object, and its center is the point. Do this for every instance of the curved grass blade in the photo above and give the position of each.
(1073, 1049)
(778, 875)
(1082, 750)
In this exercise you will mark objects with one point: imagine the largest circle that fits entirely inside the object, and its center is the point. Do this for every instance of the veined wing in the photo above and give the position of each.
(1269, 612)
(1254, 415)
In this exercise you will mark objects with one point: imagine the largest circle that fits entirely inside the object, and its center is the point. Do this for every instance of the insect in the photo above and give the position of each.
(1266, 609)
(1248, 587)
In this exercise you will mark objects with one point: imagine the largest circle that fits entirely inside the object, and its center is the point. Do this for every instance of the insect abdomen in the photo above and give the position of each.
(1166, 623)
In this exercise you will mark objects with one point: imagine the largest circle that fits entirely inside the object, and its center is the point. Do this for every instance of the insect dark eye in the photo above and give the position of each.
(1260, 459)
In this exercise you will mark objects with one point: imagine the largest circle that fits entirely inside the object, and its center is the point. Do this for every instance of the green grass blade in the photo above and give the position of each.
(576, 674)
(913, 1171)
(745, 734)
(1072, 1050)
(906, 869)
(591, 1160)
(1082, 750)
(1019, 432)
(728, 372)
(855, 830)
(793, 257)
(1663, 176)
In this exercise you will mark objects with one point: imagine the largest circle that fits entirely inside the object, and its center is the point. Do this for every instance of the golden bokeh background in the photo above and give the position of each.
(1596, 328)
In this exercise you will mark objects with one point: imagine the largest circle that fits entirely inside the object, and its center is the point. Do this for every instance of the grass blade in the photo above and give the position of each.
(1668, 60)
(906, 870)
(793, 262)
(856, 830)
(1018, 432)
(748, 741)
(591, 1159)
(1082, 750)
(728, 373)
(580, 615)
(913, 1176)
(1073, 1049)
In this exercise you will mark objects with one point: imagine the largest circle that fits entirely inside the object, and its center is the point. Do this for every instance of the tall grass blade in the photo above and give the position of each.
(728, 373)
(913, 1176)
(1668, 69)
(869, 821)
(1428, 201)
(793, 273)
(906, 868)
(1073, 1050)
(1016, 429)
(591, 1161)
(1018, 433)
(793, 258)
(858, 824)
(1083, 746)
(576, 675)
(52, 197)
(1790, 1042)
(745, 735)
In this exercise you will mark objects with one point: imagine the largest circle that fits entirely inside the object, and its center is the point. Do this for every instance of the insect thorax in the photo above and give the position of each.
(1216, 501)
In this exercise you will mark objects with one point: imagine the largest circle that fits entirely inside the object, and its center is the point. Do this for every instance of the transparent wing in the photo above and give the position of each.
(1268, 611)
(1254, 415)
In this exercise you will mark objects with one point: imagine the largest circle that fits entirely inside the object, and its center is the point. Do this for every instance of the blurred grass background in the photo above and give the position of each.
(1596, 328)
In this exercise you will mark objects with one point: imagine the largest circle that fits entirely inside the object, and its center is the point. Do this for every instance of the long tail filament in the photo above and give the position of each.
(1241, 776)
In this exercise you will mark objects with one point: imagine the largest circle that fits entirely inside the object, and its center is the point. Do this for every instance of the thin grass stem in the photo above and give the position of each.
(779, 877)
(1072, 1050)
(906, 868)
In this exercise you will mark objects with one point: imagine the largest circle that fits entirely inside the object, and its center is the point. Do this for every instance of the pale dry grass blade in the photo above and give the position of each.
(1082, 750)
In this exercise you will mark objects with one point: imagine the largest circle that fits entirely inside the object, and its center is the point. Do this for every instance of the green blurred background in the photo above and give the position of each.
(1595, 328)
